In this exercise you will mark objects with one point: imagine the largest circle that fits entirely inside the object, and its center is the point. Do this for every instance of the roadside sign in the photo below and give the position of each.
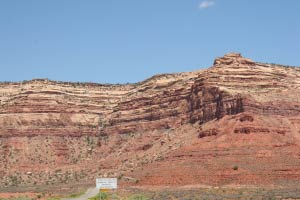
(106, 183)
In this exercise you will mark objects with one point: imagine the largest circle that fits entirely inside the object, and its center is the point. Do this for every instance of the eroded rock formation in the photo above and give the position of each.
(171, 129)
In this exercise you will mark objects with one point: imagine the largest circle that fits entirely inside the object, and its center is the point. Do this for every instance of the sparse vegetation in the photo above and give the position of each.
(75, 195)
(138, 197)
(201, 193)
(120, 176)
(279, 65)
(100, 196)
(89, 140)
(102, 123)
(17, 198)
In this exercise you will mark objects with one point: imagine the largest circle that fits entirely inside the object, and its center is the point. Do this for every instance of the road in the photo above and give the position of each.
(89, 193)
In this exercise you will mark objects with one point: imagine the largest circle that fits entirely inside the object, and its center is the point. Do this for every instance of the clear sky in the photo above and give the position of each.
(119, 41)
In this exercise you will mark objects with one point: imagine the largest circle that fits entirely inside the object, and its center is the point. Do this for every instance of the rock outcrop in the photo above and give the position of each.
(171, 129)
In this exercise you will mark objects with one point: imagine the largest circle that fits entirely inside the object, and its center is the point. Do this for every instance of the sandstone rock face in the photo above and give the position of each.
(172, 129)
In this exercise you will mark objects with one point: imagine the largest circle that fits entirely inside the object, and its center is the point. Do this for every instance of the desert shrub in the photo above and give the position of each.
(104, 196)
(138, 197)
(75, 195)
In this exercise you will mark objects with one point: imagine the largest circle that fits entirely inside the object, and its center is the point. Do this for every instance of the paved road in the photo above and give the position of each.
(89, 193)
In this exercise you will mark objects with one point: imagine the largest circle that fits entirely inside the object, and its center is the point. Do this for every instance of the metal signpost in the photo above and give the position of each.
(106, 184)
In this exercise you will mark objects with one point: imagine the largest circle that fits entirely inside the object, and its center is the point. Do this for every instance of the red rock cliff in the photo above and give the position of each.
(233, 113)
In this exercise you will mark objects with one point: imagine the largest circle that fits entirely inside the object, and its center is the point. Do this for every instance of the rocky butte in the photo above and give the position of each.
(235, 123)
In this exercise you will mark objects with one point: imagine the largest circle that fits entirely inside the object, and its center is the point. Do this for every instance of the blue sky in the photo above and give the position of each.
(118, 41)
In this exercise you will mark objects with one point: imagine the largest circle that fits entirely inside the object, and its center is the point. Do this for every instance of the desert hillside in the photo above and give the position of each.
(235, 123)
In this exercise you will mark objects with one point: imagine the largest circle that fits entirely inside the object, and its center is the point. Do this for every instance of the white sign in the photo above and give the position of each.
(106, 183)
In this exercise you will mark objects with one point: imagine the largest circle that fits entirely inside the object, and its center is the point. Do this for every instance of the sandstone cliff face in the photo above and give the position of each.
(236, 112)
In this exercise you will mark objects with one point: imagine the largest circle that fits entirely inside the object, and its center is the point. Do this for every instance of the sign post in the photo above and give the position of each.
(106, 184)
